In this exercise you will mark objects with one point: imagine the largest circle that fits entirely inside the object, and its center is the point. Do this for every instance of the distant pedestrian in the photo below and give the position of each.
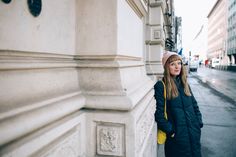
(183, 127)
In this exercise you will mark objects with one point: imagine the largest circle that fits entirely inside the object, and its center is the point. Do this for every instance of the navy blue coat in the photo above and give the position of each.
(184, 119)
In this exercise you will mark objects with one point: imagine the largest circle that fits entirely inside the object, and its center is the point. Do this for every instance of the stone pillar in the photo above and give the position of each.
(156, 39)
(119, 96)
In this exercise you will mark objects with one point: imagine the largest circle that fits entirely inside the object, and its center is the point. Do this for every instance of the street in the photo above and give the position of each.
(212, 89)
(222, 81)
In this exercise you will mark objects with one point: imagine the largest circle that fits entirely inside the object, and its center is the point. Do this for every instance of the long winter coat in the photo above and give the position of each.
(184, 119)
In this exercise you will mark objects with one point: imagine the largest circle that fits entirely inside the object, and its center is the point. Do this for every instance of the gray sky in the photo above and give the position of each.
(193, 13)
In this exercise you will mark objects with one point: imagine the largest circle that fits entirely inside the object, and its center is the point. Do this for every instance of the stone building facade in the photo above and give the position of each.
(73, 76)
(231, 31)
(217, 32)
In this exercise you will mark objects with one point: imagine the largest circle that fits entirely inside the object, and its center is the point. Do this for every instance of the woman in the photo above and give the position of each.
(183, 127)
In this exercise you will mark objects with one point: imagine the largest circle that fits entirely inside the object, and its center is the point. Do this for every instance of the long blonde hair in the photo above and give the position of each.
(171, 89)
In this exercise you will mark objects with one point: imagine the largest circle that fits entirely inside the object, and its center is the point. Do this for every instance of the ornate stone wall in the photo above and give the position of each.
(75, 86)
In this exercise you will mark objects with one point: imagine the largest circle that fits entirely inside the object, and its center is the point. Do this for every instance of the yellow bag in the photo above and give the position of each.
(161, 135)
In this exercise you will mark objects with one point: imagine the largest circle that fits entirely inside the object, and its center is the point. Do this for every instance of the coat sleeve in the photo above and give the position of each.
(162, 123)
(196, 109)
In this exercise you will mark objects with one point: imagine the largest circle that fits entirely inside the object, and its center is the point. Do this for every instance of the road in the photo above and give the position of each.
(218, 111)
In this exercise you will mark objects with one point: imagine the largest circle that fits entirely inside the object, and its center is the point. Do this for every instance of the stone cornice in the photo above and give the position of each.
(154, 25)
(138, 7)
(156, 4)
(13, 54)
(26, 65)
(156, 42)
(19, 60)
(106, 57)
(123, 102)
(108, 64)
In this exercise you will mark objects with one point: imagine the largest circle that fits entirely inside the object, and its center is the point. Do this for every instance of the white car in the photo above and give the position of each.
(215, 62)
(193, 65)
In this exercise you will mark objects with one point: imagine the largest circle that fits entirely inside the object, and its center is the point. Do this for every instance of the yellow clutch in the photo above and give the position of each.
(161, 137)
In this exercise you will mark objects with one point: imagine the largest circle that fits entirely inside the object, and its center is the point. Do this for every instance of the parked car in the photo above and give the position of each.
(215, 62)
(193, 65)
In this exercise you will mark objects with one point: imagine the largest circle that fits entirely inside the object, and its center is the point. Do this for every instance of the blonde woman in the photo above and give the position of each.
(183, 127)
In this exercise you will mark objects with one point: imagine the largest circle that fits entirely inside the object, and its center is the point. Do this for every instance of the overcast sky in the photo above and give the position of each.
(193, 13)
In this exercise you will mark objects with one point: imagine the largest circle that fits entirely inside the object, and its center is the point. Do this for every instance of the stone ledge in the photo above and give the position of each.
(125, 102)
(19, 125)
(49, 138)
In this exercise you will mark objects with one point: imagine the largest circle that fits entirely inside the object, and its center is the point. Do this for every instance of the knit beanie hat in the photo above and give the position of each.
(166, 56)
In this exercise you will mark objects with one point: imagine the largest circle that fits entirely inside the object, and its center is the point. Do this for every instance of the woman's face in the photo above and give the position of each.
(175, 67)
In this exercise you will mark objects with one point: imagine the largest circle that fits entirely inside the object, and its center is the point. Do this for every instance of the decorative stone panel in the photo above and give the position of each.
(144, 125)
(156, 34)
(110, 139)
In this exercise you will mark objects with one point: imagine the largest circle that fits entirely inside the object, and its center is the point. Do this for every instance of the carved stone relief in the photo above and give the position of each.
(110, 139)
(156, 34)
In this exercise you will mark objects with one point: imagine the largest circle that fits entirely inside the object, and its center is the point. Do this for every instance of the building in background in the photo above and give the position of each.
(170, 27)
(217, 32)
(73, 76)
(178, 34)
(231, 38)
